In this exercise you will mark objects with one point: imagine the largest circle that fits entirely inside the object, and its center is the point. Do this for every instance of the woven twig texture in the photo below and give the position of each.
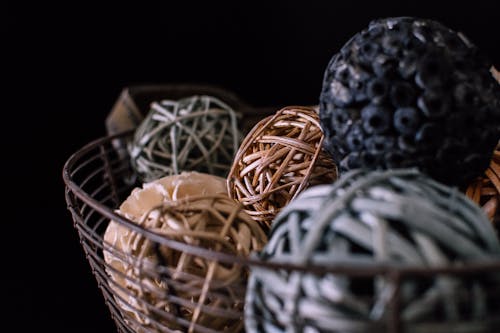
(281, 156)
(198, 133)
(495, 73)
(396, 218)
(162, 289)
(485, 191)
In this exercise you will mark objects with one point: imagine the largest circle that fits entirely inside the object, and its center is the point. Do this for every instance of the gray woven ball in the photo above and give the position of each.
(197, 133)
(395, 218)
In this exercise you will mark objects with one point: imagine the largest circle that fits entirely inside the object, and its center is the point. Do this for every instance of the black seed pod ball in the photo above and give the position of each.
(409, 92)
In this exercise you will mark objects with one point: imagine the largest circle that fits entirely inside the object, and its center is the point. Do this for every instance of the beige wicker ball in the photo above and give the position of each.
(281, 156)
(162, 288)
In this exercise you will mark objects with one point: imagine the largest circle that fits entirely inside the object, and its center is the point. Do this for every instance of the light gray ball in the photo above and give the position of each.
(395, 219)
(197, 133)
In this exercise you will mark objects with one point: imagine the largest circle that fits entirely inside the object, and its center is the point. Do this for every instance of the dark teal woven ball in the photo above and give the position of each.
(367, 221)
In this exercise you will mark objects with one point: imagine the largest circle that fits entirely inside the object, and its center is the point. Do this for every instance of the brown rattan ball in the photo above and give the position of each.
(281, 156)
(485, 191)
(159, 288)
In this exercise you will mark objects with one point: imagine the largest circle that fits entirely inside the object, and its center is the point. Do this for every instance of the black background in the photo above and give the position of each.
(65, 64)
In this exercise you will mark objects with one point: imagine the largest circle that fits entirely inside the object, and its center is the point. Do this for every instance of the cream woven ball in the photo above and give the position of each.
(281, 156)
(159, 288)
(197, 133)
(372, 219)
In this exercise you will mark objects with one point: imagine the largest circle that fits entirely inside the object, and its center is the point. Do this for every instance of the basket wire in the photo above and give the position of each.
(98, 178)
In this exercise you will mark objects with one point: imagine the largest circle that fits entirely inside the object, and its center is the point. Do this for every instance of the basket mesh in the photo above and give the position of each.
(98, 178)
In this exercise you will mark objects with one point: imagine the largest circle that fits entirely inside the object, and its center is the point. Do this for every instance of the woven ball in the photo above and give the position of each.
(281, 156)
(485, 191)
(163, 289)
(408, 92)
(495, 73)
(198, 133)
(371, 219)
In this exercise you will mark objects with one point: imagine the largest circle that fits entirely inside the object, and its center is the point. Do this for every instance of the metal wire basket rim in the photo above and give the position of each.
(366, 269)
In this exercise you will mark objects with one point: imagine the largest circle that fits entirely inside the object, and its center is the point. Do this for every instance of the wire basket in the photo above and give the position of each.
(99, 177)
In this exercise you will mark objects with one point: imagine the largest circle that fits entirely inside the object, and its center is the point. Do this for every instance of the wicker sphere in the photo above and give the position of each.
(395, 218)
(197, 133)
(281, 156)
(162, 289)
(485, 190)
(495, 73)
(409, 92)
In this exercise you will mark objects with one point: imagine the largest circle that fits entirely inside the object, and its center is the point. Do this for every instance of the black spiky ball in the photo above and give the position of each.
(408, 92)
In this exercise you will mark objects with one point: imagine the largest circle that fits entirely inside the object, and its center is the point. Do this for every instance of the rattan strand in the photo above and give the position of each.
(281, 156)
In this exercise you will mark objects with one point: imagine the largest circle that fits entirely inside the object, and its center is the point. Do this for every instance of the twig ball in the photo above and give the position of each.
(495, 73)
(485, 190)
(159, 288)
(281, 156)
(197, 133)
(408, 92)
(371, 219)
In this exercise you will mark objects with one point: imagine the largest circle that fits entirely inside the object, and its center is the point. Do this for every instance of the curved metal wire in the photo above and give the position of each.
(98, 178)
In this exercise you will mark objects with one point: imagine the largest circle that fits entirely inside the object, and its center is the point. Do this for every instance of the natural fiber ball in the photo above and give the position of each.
(393, 218)
(408, 92)
(281, 156)
(198, 133)
(161, 288)
(495, 73)
(485, 190)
